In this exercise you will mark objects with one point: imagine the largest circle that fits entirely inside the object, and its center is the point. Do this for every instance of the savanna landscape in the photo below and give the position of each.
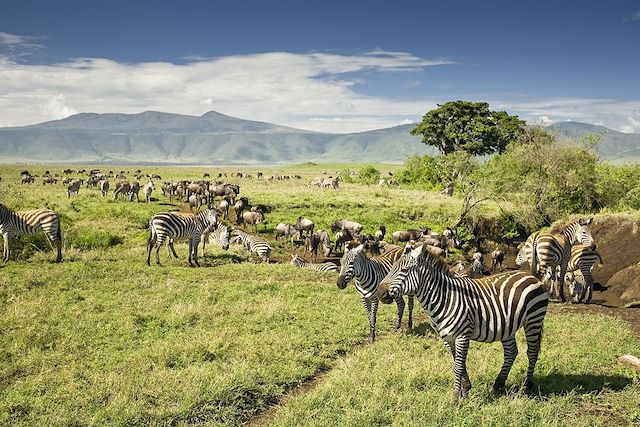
(102, 338)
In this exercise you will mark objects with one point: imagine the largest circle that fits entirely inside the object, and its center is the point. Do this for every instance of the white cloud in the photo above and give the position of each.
(279, 87)
(315, 91)
(15, 46)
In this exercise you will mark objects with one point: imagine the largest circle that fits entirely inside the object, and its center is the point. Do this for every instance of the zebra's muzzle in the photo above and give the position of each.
(383, 293)
(342, 282)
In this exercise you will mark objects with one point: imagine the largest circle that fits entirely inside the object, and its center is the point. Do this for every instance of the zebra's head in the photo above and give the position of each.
(398, 281)
(582, 234)
(346, 265)
(577, 285)
(297, 261)
(521, 258)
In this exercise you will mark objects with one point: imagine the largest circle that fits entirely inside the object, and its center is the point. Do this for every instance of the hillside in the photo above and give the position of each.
(213, 138)
(614, 146)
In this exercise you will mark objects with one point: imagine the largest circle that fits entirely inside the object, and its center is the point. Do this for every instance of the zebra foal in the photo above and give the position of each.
(487, 309)
(13, 224)
(253, 244)
(172, 226)
(323, 267)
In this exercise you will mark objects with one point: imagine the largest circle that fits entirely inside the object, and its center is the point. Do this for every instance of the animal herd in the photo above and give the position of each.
(463, 304)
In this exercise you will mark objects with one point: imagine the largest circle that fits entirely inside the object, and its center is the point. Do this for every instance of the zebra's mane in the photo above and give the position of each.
(435, 262)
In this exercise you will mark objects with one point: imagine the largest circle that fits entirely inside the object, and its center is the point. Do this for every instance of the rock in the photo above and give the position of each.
(630, 361)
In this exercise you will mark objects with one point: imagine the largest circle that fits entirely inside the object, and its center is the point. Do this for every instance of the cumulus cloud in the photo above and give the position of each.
(315, 91)
(299, 90)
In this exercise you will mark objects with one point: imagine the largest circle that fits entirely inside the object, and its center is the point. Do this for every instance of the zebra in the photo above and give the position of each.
(323, 267)
(487, 309)
(252, 243)
(578, 274)
(13, 224)
(218, 235)
(367, 274)
(134, 191)
(104, 187)
(147, 190)
(553, 250)
(172, 226)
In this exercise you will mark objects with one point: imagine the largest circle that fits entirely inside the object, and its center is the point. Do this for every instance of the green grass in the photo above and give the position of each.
(102, 339)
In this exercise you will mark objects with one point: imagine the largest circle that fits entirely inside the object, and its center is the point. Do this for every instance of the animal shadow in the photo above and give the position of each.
(561, 384)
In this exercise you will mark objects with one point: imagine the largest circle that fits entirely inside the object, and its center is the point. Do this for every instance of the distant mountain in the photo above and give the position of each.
(614, 146)
(213, 138)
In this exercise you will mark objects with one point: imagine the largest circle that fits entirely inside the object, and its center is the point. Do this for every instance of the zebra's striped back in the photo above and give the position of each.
(253, 244)
(323, 267)
(181, 226)
(13, 224)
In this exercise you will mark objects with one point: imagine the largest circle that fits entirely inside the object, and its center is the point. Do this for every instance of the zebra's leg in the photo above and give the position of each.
(533, 333)
(190, 252)
(372, 320)
(510, 352)
(196, 243)
(158, 244)
(7, 247)
(173, 250)
(563, 271)
(462, 384)
(400, 303)
(410, 317)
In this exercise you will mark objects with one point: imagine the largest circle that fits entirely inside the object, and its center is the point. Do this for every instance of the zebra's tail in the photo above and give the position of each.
(151, 241)
(534, 258)
(59, 242)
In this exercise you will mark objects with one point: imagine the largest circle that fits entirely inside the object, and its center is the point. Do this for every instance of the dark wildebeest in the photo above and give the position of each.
(497, 258)
(342, 237)
(380, 232)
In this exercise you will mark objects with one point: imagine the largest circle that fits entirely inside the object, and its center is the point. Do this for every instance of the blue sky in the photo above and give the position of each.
(328, 66)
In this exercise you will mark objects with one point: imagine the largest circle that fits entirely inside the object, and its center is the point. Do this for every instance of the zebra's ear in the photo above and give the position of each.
(589, 221)
(415, 253)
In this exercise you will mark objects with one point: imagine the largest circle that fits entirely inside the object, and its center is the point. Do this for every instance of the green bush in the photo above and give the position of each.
(369, 175)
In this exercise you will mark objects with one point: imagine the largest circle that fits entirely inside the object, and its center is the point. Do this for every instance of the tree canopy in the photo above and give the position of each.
(468, 126)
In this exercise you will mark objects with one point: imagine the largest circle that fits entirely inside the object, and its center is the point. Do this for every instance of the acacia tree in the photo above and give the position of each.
(468, 126)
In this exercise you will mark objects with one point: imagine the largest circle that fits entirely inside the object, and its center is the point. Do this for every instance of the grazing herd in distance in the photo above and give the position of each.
(464, 303)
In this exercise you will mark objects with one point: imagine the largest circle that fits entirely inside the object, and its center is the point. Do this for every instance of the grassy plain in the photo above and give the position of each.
(102, 339)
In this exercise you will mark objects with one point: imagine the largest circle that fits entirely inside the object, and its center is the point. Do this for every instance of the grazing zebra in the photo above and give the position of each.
(134, 191)
(13, 224)
(122, 188)
(172, 226)
(323, 267)
(367, 274)
(553, 250)
(487, 309)
(219, 235)
(252, 243)
(579, 269)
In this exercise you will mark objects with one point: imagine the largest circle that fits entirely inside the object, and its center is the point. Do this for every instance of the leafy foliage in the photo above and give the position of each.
(468, 126)
(369, 175)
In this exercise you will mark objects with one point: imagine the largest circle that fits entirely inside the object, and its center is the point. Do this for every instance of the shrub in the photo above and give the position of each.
(369, 175)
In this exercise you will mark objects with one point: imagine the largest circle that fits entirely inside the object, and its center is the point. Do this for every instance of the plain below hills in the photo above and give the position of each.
(214, 138)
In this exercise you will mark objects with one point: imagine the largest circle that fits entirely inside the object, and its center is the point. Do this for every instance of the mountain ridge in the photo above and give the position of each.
(215, 138)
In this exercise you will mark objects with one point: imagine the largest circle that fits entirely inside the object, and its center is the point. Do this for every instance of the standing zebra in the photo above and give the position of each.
(13, 224)
(148, 189)
(368, 272)
(219, 235)
(579, 269)
(172, 226)
(253, 244)
(487, 309)
(323, 267)
(553, 250)
(104, 187)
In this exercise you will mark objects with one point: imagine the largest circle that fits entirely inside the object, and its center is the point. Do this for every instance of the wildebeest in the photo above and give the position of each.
(49, 180)
(287, 230)
(345, 224)
(253, 218)
(195, 201)
(122, 189)
(380, 232)
(167, 189)
(73, 187)
(304, 224)
(497, 258)
(342, 237)
(407, 235)
(134, 191)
